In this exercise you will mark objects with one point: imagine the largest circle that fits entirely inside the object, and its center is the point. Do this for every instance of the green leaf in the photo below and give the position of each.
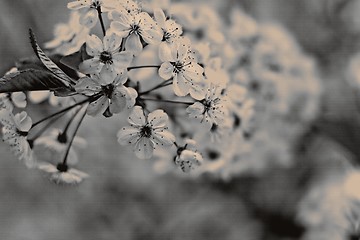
(33, 80)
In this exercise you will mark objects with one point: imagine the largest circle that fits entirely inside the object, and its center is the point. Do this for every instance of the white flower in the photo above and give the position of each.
(15, 130)
(145, 133)
(9, 100)
(188, 157)
(212, 109)
(68, 36)
(179, 64)
(62, 174)
(107, 59)
(53, 146)
(89, 10)
(171, 30)
(134, 28)
(114, 96)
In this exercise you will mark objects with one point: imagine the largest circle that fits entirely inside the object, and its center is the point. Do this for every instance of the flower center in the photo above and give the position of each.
(134, 29)
(106, 57)
(21, 133)
(146, 131)
(95, 4)
(108, 90)
(178, 66)
(62, 167)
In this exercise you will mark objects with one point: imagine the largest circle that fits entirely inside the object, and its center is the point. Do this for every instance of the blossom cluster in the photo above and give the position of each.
(197, 96)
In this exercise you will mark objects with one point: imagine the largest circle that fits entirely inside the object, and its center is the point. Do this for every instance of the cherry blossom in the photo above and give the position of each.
(107, 60)
(114, 96)
(62, 174)
(145, 133)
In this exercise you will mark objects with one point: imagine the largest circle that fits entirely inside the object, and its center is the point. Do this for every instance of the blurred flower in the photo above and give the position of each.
(62, 174)
(145, 133)
(52, 147)
(188, 157)
(68, 36)
(171, 30)
(15, 130)
(9, 100)
(107, 59)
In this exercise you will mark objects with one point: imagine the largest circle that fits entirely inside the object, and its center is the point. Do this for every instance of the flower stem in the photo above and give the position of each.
(143, 66)
(74, 134)
(64, 132)
(60, 112)
(101, 20)
(166, 101)
(161, 85)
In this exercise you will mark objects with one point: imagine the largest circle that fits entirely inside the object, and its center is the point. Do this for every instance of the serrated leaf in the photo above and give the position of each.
(50, 65)
(73, 60)
(33, 80)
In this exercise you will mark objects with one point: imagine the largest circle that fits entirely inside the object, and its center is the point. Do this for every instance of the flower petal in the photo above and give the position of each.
(158, 118)
(91, 66)
(122, 60)
(144, 148)
(98, 106)
(87, 86)
(133, 44)
(94, 45)
(89, 19)
(166, 70)
(163, 137)
(137, 117)
(107, 74)
(118, 101)
(128, 135)
(19, 99)
(180, 87)
(112, 42)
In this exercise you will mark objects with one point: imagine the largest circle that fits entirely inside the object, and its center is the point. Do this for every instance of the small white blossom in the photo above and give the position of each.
(134, 28)
(179, 64)
(11, 100)
(107, 59)
(114, 96)
(15, 130)
(145, 133)
(62, 174)
(171, 30)
(89, 10)
(188, 157)
(212, 109)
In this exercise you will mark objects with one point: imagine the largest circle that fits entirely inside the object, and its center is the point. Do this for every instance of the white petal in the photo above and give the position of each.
(89, 20)
(165, 52)
(166, 70)
(180, 87)
(144, 148)
(163, 137)
(137, 117)
(107, 74)
(112, 42)
(128, 135)
(76, 5)
(91, 66)
(133, 44)
(122, 60)
(158, 118)
(23, 121)
(118, 101)
(87, 86)
(160, 16)
(98, 106)
(94, 45)
(38, 96)
(19, 99)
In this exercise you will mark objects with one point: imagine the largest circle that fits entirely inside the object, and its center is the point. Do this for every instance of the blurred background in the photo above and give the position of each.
(125, 199)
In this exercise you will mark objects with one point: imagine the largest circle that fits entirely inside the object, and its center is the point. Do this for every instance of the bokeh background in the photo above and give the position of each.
(125, 199)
